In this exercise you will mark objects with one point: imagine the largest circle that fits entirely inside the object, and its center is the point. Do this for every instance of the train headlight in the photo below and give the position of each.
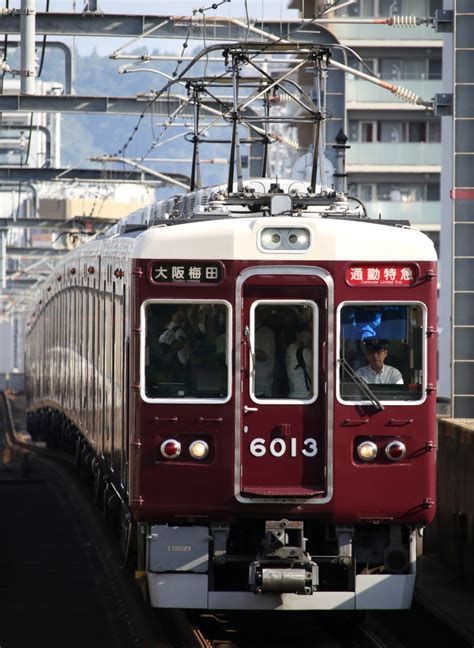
(271, 239)
(395, 450)
(367, 451)
(299, 239)
(199, 449)
(170, 449)
(285, 239)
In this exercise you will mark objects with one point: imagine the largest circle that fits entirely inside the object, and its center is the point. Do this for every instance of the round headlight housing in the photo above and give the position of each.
(395, 450)
(299, 239)
(170, 449)
(367, 451)
(271, 239)
(199, 449)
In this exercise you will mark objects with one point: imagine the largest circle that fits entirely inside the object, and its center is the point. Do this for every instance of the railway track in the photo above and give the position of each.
(401, 629)
(136, 623)
(302, 630)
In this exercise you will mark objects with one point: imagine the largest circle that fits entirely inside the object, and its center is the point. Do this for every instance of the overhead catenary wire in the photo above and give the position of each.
(179, 62)
(150, 104)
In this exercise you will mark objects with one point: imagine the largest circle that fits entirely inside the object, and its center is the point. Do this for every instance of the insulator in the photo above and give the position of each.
(404, 21)
(407, 95)
(289, 141)
(283, 98)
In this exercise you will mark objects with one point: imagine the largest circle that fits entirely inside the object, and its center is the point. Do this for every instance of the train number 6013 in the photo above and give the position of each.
(279, 447)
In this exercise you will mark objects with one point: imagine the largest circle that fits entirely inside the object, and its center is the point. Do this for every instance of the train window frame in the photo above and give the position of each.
(315, 331)
(143, 336)
(424, 364)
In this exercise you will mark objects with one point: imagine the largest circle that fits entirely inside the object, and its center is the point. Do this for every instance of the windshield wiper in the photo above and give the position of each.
(363, 386)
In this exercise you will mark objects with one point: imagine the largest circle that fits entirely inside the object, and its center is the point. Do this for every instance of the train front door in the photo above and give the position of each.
(282, 432)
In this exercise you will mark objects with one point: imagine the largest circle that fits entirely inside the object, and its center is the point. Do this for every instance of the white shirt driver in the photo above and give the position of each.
(387, 376)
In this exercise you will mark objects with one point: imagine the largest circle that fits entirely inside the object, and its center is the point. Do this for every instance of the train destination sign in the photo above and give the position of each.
(376, 274)
(186, 272)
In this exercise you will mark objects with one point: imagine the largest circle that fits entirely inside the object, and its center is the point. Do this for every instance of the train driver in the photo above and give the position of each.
(377, 371)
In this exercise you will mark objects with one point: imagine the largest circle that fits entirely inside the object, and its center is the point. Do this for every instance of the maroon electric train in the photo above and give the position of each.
(215, 359)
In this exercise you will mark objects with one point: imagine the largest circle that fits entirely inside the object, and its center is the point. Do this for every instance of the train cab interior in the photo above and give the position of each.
(393, 332)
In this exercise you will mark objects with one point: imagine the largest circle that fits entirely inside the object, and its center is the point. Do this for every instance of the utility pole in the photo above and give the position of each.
(27, 54)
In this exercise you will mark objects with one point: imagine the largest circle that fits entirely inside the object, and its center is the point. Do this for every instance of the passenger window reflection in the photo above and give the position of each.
(186, 351)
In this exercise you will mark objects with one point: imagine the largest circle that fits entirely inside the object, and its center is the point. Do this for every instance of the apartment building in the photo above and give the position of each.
(394, 161)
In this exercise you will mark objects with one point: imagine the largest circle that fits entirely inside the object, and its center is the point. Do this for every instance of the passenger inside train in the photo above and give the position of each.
(299, 363)
(284, 337)
(186, 350)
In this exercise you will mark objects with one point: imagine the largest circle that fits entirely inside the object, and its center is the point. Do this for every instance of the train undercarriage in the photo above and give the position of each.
(281, 564)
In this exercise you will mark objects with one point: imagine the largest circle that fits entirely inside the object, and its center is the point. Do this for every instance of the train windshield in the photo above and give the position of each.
(382, 345)
(186, 350)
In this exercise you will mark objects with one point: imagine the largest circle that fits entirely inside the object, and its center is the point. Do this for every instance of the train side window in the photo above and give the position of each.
(283, 351)
(383, 345)
(186, 350)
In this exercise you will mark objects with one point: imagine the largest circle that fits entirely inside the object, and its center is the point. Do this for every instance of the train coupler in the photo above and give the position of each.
(294, 578)
(283, 566)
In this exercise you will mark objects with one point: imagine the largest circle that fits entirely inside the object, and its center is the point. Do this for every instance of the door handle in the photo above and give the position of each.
(250, 409)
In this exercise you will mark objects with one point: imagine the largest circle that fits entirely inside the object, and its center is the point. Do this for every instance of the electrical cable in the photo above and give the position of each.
(30, 133)
(40, 68)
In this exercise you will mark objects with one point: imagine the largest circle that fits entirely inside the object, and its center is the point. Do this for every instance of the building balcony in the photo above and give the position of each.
(363, 92)
(421, 157)
(418, 213)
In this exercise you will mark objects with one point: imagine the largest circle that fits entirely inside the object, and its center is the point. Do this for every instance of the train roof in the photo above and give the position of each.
(258, 196)
(330, 239)
(215, 223)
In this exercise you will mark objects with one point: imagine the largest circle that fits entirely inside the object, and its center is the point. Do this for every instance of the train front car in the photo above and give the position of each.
(283, 366)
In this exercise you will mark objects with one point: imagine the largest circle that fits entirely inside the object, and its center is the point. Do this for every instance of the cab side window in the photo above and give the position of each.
(383, 345)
